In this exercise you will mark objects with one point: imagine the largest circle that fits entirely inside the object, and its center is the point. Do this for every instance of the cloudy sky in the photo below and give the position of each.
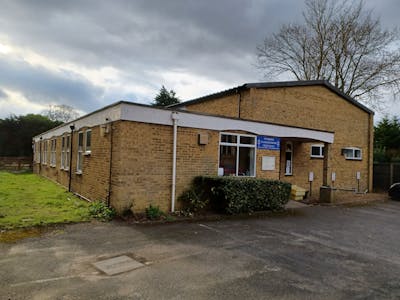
(90, 53)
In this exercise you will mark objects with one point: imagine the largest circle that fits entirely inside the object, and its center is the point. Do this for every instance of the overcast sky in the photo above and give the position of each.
(90, 53)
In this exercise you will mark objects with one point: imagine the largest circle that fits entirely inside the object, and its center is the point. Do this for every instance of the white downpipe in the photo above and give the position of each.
(175, 119)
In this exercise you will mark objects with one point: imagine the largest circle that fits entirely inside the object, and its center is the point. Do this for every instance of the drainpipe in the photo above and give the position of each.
(110, 123)
(239, 100)
(175, 118)
(70, 156)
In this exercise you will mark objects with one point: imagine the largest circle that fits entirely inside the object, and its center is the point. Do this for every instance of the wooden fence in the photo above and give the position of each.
(385, 174)
(19, 163)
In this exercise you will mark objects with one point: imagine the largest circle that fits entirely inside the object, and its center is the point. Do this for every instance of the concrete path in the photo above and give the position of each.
(313, 253)
(295, 204)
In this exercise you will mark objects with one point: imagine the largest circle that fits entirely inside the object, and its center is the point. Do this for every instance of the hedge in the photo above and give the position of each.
(234, 195)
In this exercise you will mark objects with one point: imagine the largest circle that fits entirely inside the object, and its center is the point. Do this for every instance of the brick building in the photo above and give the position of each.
(134, 155)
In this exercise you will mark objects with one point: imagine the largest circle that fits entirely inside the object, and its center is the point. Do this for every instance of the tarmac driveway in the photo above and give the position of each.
(315, 253)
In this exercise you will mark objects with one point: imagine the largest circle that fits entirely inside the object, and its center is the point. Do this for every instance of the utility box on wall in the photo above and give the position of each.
(203, 139)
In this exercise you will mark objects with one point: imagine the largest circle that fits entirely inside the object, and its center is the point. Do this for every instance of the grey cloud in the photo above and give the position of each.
(40, 85)
(212, 39)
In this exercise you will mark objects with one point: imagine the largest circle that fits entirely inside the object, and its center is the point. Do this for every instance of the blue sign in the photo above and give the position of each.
(268, 143)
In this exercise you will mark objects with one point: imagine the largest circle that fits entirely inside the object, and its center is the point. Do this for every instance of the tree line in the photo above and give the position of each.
(16, 132)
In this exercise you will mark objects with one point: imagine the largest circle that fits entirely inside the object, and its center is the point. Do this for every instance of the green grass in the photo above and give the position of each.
(28, 200)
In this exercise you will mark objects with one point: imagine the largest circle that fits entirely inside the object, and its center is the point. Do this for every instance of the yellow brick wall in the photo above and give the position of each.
(226, 106)
(142, 163)
(311, 107)
(93, 182)
(267, 174)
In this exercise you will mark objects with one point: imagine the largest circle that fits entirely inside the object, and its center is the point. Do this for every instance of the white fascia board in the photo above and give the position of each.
(145, 114)
(112, 113)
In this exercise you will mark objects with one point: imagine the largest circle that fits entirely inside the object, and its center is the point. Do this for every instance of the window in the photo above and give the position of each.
(53, 144)
(289, 158)
(80, 153)
(88, 142)
(44, 153)
(67, 146)
(62, 152)
(36, 152)
(352, 153)
(65, 140)
(237, 154)
(317, 151)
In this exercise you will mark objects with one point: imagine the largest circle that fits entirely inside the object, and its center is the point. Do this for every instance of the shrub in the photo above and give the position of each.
(193, 200)
(235, 195)
(154, 212)
(101, 211)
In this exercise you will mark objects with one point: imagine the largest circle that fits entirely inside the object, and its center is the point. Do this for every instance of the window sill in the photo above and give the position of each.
(64, 169)
(318, 157)
(353, 158)
(87, 153)
(78, 172)
(288, 174)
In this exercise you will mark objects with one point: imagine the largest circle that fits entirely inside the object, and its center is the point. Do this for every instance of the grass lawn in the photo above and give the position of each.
(29, 200)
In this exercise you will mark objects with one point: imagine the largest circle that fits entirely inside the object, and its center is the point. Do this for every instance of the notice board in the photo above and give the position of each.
(268, 143)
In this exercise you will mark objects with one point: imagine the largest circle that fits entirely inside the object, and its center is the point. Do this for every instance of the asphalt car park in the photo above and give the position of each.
(308, 253)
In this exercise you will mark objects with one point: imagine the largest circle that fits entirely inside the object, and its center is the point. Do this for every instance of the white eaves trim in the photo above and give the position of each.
(186, 119)
(147, 114)
(111, 113)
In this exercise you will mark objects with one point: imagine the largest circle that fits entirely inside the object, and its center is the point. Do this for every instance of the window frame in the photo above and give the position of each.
(353, 150)
(67, 151)
(321, 151)
(87, 151)
(62, 159)
(80, 150)
(44, 152)
(53, 150)
(239, 145)
(65, 145)
(291, 158)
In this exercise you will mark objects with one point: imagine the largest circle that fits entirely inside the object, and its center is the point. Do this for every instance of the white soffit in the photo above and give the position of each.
(112, 113)
(145, 114)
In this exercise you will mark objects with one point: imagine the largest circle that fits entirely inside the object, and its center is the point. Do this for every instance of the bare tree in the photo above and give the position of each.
(339, 41)
(63, 113)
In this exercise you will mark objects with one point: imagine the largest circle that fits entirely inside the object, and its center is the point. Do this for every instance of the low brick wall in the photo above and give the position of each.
(17, 163)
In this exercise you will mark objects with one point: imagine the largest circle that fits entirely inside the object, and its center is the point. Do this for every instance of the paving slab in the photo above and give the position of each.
(117, 265)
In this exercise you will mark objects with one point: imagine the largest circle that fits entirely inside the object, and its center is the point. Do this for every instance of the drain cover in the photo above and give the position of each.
(117, 265)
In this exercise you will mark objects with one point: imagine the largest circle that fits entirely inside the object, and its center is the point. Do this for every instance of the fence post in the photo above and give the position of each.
(391, 173)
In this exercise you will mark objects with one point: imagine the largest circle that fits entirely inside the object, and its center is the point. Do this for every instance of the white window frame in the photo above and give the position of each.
(36, 153)
(321, 150)
(349, 153)
(238, 145)
(67, 151)
(44, 152)
(88, 150)
(53, 147)
(79, 157)
(291, 158)
(62, 160)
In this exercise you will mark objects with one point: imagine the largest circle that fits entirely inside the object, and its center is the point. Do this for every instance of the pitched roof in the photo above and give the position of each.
(262, 85)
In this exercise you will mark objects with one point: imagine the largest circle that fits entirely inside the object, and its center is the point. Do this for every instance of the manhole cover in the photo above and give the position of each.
(117, 265)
